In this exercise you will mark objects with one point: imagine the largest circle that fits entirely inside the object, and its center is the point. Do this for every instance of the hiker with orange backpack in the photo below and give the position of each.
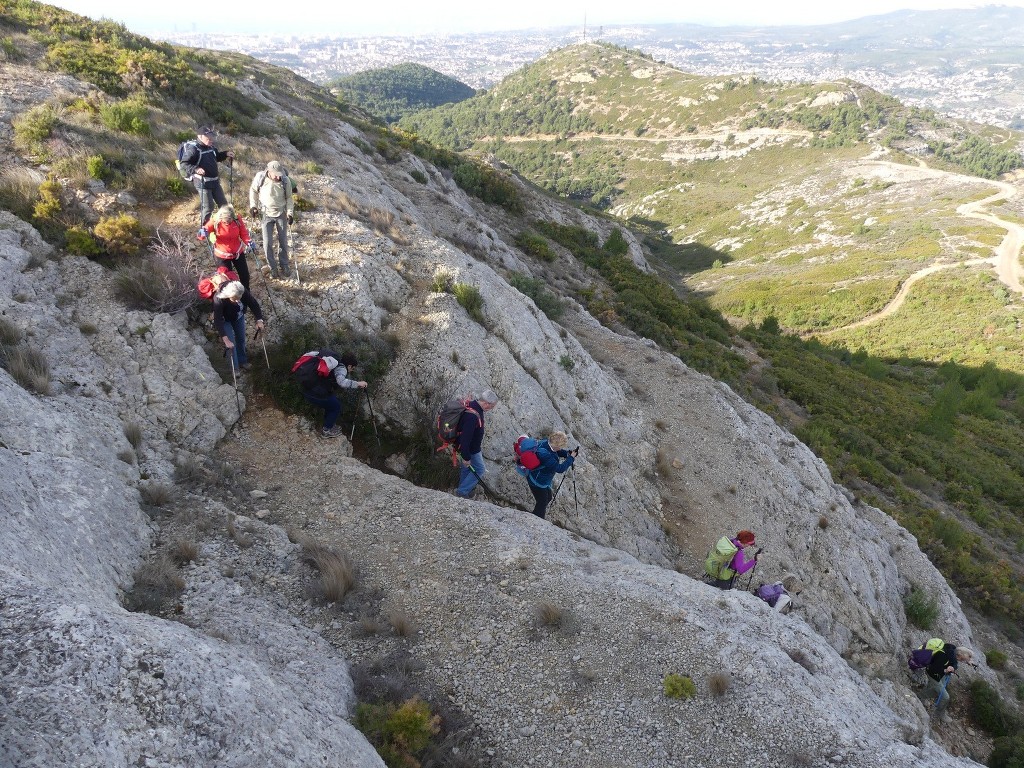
(319, 374)
(539, 461)
(471, 438)
(231, 241)
(728, 559)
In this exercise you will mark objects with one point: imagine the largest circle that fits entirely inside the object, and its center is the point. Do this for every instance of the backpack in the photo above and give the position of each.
(448, 424)
(716, 565)
(208, 286)
(921, 657)
(771, 593)
(186, 169)
(314, 365)
(525, 448)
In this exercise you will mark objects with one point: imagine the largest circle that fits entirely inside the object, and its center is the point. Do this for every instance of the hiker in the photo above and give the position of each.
(554, 458)
(200, 159)
(728, 559)
(321, 372)
(471, 438)
(230, 241)
(271, 193)
(944, 662)
(229, 305)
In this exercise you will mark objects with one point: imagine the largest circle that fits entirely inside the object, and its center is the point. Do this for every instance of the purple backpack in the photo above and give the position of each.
(920, 658)
(771, 593)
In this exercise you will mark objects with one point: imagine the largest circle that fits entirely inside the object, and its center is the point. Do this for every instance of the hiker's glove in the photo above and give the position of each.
(250, 247)
(291, 219)
(259, 324)
(758, 553)
(254, 212)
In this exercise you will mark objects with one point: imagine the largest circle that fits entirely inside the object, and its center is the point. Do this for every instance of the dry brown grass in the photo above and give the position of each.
(401, 624)
(30, 368)
(133, 434)
(156, 582)
(127, 456)
(183, 551)
(719, 683)
(156, 494)
(337, 573)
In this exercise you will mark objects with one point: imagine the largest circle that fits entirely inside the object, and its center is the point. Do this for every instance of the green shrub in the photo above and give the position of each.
(48, 204)
(400, 734)
(33, 127)
(97, 168)
(80, 242)
(679, 687)
(312, 168)
(616, 243)
(546, 301)
(1008, 752)
(921, 608)
(535, 245)
(471, 300)
(567, 362)
(298, 131)
(995, 659)
(9, 50)
(418, 175)
(127, 116)
(121, 235)
(989, 711)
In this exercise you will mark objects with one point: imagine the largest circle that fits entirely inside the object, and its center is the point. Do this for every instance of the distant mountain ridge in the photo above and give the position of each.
(394, 92)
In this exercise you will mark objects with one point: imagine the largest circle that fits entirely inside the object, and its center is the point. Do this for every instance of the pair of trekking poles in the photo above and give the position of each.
(230, 355)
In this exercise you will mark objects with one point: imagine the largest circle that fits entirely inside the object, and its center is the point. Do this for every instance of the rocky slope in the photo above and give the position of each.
(252, 665)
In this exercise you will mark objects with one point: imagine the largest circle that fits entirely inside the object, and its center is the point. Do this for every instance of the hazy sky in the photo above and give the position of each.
(422, 16)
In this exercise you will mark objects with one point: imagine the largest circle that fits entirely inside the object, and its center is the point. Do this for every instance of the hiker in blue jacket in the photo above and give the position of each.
(555, 458)
(471, 439)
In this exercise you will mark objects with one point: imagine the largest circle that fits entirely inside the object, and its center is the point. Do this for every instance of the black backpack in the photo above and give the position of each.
(187, 149)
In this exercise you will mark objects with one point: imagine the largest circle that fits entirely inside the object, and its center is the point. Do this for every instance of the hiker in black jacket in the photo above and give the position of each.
(943, 663)
(471, 438)
(320, 373)
(201, 160)
(229, 305)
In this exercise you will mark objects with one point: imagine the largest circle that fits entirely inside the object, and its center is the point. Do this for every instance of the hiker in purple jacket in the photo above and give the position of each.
(739, 563)
(471, 438)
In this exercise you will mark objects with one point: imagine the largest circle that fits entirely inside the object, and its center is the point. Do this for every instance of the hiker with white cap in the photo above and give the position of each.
(271, 194)
(200, 159)
(471, 438)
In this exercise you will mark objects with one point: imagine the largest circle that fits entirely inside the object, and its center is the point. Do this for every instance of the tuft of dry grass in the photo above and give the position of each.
(823, 522)
(10, 334)
(133, 434)
(548, 614)
(183, 551)
(188, 470)
(401, 624)
(802, 659)
(337, 573)
(156, 582)
(719, 683)
(663, 465)
(370, 625)
(128, 456)
(29, 368)
(156, 494)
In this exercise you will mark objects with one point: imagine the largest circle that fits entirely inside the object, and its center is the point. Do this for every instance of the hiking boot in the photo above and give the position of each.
(265, 269)
(275, 274)
(246, 366)
(285, 272)
(334, 431)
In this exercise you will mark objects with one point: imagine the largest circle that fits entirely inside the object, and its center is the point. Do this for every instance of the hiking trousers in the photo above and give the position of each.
(210, 195)
(468, 478)
(542, 497)
(331, 405)
(238, 265)
(235, 330)
(938, 695)
(268, 225)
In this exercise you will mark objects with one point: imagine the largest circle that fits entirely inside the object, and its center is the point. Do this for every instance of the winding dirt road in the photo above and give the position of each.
(1005, 257)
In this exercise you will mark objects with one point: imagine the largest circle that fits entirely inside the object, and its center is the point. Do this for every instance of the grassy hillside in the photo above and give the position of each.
(395, 92)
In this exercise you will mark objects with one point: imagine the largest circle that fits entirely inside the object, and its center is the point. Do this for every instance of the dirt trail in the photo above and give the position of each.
(1005, 257)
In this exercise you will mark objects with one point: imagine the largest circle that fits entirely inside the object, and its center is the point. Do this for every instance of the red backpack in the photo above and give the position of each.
(209, 286)
(525, 448)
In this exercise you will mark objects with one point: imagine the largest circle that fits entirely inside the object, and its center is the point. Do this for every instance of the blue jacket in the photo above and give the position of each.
(471, 430)
(551, 462)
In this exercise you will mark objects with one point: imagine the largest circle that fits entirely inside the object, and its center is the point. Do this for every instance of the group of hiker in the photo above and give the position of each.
(271, 199)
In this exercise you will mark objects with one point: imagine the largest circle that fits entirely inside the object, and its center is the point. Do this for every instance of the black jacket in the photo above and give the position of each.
(227, 310)
(201, 156)
(936, 668)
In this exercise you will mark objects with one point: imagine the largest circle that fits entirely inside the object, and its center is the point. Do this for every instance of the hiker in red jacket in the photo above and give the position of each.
(231, 241)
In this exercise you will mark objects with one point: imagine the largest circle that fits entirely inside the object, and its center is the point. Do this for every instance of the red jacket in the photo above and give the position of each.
(231, 237)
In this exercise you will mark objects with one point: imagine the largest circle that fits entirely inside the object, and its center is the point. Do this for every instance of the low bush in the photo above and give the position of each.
(989, 711)
(1008, 752)
(471, 300)
(400, 734)
(719, 683)
(164, 279)
(995, 659)
(133, 434)
(921, 608)
(535, 245)
(679, 687)
(121, 235)
(156, 494)
(80, 242)
(33, 127)
(418, 176)
(546, 301)
(127, 116)
(298, 131)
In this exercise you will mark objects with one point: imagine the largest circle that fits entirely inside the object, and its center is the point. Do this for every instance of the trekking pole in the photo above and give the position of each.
(264, 340)
(234, 378)
(751, 577)
(574, 496)
(554, 496)
(369, 402)
(231, 181)
(291, 252)
(481, 482)
(266, 285)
